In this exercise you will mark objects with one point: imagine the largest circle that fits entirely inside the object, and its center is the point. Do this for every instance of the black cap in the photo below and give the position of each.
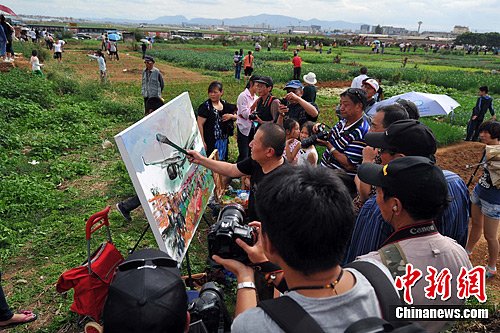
(408, 137)
(149, 59)
(267, 80)
(409, 178)
(146, 295)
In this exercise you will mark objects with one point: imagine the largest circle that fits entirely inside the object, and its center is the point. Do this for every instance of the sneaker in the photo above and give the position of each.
(490, 272)
(125, 214)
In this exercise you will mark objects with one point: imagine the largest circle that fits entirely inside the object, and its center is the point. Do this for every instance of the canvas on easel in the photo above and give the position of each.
(173, 192)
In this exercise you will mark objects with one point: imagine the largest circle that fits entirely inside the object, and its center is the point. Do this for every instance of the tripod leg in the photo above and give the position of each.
(139, 240)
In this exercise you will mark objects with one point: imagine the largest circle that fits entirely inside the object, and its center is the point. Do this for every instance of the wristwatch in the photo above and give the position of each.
(331, 150)
(245, 285)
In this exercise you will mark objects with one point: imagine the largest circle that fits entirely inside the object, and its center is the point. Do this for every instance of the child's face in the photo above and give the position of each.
(295, 132)
(304, 133)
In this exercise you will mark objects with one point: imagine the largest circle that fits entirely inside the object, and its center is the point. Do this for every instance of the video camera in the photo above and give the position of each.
(322, 134)
(229, 227)
(208, 311)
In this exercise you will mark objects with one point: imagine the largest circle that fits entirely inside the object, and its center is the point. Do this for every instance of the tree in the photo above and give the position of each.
(378, 30)
(489, 39)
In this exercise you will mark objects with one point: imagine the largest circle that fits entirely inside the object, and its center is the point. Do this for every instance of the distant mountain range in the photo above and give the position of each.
(264, 20)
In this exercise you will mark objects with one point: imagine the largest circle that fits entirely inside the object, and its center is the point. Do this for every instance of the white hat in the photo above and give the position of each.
(372, 83)
(310, 78)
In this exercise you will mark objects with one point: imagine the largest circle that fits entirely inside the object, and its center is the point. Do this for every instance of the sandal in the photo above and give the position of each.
(28, 314)
(490, 273)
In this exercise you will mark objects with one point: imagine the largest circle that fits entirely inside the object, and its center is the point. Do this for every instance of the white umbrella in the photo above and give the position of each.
(427, 104)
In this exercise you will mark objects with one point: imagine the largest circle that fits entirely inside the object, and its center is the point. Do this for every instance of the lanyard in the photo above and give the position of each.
(411, 231)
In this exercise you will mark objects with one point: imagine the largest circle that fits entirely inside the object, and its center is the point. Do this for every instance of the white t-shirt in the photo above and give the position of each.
(58, 46)
(35, 63)
(357, 82)
(303, 155)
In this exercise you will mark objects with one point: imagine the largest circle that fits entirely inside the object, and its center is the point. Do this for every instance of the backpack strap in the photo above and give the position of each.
(289, 315)
(384, 288)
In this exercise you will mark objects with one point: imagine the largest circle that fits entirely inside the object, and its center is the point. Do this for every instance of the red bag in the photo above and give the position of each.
(91, 281)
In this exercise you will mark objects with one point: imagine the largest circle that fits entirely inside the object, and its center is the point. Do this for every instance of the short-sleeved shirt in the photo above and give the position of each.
(333, 314)
(309, 94)
(485, 189)
(297, 61)
(214, 117)
(297, 112)
(349, 141)
(248, 61)
(250, 167)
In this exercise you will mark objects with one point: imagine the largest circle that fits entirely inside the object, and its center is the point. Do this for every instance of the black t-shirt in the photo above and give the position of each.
(250, 167)
(207, 111)
(297, 112)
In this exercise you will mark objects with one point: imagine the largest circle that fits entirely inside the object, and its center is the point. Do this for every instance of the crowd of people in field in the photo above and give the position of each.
(373, 195)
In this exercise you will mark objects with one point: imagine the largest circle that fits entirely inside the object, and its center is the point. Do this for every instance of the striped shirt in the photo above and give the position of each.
(348, 141)
(371, 231)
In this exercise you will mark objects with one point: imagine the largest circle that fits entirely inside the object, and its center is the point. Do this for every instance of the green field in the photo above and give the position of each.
(54, 171)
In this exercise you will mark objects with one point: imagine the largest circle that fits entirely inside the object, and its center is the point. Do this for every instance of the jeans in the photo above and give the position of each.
(243, 144)
(5, 313)
(237, 72)
(131, 203)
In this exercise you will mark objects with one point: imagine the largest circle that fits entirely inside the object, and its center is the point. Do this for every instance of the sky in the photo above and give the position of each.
(442, 15)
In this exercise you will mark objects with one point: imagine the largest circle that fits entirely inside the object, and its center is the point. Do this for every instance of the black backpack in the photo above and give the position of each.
(292, 318)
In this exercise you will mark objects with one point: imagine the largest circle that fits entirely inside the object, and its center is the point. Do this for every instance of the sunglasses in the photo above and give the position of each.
(384, 150)
(358, 93)
(139, 263)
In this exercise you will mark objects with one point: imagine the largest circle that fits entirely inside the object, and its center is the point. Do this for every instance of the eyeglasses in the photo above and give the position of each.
(385, 150)
(138, 263)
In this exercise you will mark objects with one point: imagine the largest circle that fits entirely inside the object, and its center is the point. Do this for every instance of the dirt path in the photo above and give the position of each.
(454, 158)
(127, 69)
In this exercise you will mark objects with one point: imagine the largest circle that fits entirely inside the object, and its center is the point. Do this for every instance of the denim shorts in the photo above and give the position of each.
(488, 209)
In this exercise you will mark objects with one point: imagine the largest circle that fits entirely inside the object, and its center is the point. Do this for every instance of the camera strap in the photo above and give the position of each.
(289, 315)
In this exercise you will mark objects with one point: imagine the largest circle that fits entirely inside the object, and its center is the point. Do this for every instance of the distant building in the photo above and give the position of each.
(458, 30)
(315, 29)
(390, 30)
(364, 29)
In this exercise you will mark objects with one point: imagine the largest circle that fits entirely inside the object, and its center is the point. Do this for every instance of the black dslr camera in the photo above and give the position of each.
(253, 116)
(229, 227)
(208, 311)
(322, 134)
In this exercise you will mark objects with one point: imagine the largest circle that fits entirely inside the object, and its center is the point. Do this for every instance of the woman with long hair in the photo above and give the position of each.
(485, 200)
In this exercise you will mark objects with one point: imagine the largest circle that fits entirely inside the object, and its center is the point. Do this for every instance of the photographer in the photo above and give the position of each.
(266, 157)
(266, 107)
(345, 143)
(306, 218)
(294, 106)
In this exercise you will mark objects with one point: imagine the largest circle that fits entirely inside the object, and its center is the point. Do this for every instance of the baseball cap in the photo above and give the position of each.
(254, 78)
(409, 178)
(146, 295)
(408, 137)
(372, 83)
(267, 80)
(149, 59)
(294, 84)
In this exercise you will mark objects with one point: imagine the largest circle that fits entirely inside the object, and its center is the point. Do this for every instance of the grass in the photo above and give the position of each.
(54, 172)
